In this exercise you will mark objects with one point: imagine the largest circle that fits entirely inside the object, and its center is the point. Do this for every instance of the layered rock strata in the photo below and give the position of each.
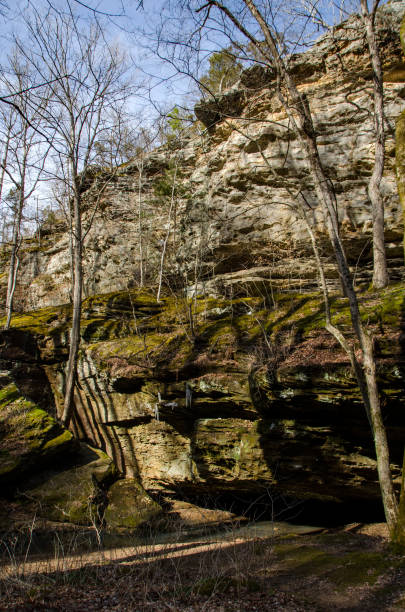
(234, 225)
(42, 467)
(400, 141)
(244, 398)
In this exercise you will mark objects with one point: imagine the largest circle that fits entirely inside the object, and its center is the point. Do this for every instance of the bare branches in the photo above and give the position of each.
(75, 82)
(94, 10)
(24, 159)
(259, 23)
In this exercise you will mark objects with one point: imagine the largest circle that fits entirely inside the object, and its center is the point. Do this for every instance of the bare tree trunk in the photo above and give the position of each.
(140, 175)
(380, 270)
(169, 221)
(12, 282)
(4, 161)
(380, 438)
(71, 368)
(71, 253)
(367, 381)
(14, 261)
(326, 196)
(86, 82)
(299, 114)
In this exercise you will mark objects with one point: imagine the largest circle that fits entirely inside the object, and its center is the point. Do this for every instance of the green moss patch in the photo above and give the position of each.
(331, 559)
(29, 436)
(218, 322)
(360, 568)
(75, 494)
(8, 395)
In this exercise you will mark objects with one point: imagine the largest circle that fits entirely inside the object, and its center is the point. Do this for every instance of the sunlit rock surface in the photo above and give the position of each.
(235, 226)
(244, 393)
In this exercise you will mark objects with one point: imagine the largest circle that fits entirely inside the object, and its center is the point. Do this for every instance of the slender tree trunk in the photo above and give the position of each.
(14, 261)
(380, 270)
(141, 256)
(164, 247)
(71, 368)
(367, 381)
(12, 282)
(4, 163)
(326, 196)
(298, 111)
(380, 438)
(11, 279)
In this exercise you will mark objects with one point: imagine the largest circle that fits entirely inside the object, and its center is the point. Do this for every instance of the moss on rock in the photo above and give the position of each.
(29, 436)
(129, 506)
(76, 494)
(241, 396)
(46, 321)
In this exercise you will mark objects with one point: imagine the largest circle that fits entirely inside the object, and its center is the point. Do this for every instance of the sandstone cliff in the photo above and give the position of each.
(234, 223)
(239, 393)
(249, 399)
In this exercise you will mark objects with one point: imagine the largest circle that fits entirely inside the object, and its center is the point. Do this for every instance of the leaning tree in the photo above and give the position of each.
(267, 33)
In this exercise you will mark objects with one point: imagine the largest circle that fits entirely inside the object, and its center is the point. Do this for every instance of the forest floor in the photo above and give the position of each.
(354, 568)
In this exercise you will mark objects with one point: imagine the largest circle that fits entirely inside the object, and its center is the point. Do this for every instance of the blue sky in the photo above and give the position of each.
(135, 27)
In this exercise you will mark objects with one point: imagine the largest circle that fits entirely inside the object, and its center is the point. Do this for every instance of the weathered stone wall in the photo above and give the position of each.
(254, 198)
(235, 225)
(400, 141)
(251, 398)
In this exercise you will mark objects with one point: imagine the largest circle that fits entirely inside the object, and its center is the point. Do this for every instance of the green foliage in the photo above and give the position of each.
(223, 72)
(49, 218)
(175, 125)
(174, 121)
(163, 187)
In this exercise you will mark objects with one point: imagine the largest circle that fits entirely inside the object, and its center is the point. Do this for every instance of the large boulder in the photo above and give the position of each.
(30, 438)
(76, 493)
(129, 506)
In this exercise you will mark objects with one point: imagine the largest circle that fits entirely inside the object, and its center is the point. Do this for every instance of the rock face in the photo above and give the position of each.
(29, 437)
(42, 466)
(244, 393)
(400, 141)
(234, 225)
(247, 399)
(129, 506)
(77, 492)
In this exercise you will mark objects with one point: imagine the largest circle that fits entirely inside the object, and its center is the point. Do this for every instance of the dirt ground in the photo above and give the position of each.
(354, 569)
